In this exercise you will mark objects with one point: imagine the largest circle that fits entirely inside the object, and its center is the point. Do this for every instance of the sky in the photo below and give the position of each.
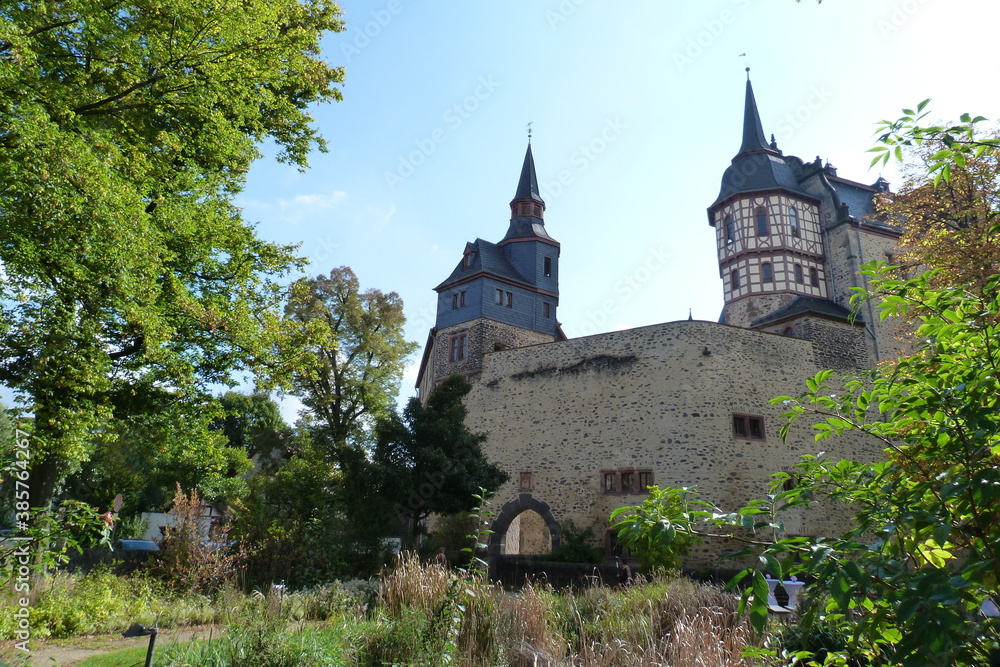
(636, 110)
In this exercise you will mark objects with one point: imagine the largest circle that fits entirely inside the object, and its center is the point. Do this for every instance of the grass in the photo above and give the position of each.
(129, 657)
(417, 613)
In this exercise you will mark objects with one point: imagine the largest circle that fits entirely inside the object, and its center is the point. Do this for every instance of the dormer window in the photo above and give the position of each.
(793, 218)
(730, 229)
(762, 226)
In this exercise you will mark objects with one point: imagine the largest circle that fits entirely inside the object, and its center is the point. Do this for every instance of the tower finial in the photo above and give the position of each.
(746, 62)
(529, 132)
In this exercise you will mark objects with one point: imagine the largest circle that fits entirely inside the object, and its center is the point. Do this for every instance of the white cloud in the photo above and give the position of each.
(294, 209)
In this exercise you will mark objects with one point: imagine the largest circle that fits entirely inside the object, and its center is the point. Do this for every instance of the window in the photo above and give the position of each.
(454, 301)
(510, 300)
(628, 482)
(798, 273)
(546, 310)
(790, 332)
(458, 348)
(762, 227)
(730, 229)
(645, 479)
(793, 217)
(499, 300)
(458, 300)
(765, 269)
(734, 279)
(748, 426)
(814, 277)
(466, 261)
(610, 482)
(547, 270)
(525, 482)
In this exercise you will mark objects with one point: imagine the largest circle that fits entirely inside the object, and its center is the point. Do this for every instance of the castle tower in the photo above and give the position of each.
(500, 295)
(791, 237)
(768, 232)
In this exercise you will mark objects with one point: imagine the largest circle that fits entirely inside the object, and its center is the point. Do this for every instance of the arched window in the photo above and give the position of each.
(798, 273)
(814, 277)
(734, 279)
(793, 217)
(789, 331)
(730, 229)
(765, 269)
(762, 228)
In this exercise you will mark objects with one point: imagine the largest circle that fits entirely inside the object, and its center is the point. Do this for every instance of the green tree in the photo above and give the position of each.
(342, 351)
(253, 423)
(428, 462)
(127, 128)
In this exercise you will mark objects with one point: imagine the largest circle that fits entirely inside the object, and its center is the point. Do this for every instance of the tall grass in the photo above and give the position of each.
(670, 621)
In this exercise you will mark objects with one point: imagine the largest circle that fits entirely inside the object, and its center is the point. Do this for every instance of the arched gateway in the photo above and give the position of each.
(513, 513)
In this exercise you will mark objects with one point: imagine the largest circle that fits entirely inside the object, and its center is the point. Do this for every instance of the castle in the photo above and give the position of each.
(584, 425)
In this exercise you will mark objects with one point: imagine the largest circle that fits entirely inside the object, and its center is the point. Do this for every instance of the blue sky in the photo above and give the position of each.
(636, 110)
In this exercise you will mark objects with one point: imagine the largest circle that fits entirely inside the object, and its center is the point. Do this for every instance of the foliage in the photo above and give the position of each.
(197, 556)
(948, 225)
(656, 543)
(102, 602)
(342, 353)
(128, 128)
(428, 461)
(576, 545)
(253, 423)
(159, 442)
(305, 525)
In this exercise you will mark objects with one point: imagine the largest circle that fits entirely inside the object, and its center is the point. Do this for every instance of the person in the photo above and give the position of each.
(624, 572)
(441, 558)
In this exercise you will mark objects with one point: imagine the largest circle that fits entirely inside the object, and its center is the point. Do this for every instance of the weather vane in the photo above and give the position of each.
(746, 61)
(529, 132)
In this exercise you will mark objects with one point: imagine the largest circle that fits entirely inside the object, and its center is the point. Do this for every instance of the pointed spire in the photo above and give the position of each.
(690, 317)
(527, 186)
(753, 132)
(527, 200)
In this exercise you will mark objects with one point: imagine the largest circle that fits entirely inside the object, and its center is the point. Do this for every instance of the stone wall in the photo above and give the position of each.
(660, 399)
(482, 337)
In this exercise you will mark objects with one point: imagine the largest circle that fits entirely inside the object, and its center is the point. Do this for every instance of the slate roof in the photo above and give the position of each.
(486, 258)
(758, 171)
(807, 304)
(526, 226)
(753, 131)
(527, 184)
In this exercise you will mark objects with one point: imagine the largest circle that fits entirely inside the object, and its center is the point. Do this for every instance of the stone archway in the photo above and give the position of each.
(514, 509)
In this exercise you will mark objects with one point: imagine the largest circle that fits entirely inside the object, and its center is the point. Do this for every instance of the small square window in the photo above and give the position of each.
(610, 482)
(459, 346)
(748, 426)
(628, 482)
